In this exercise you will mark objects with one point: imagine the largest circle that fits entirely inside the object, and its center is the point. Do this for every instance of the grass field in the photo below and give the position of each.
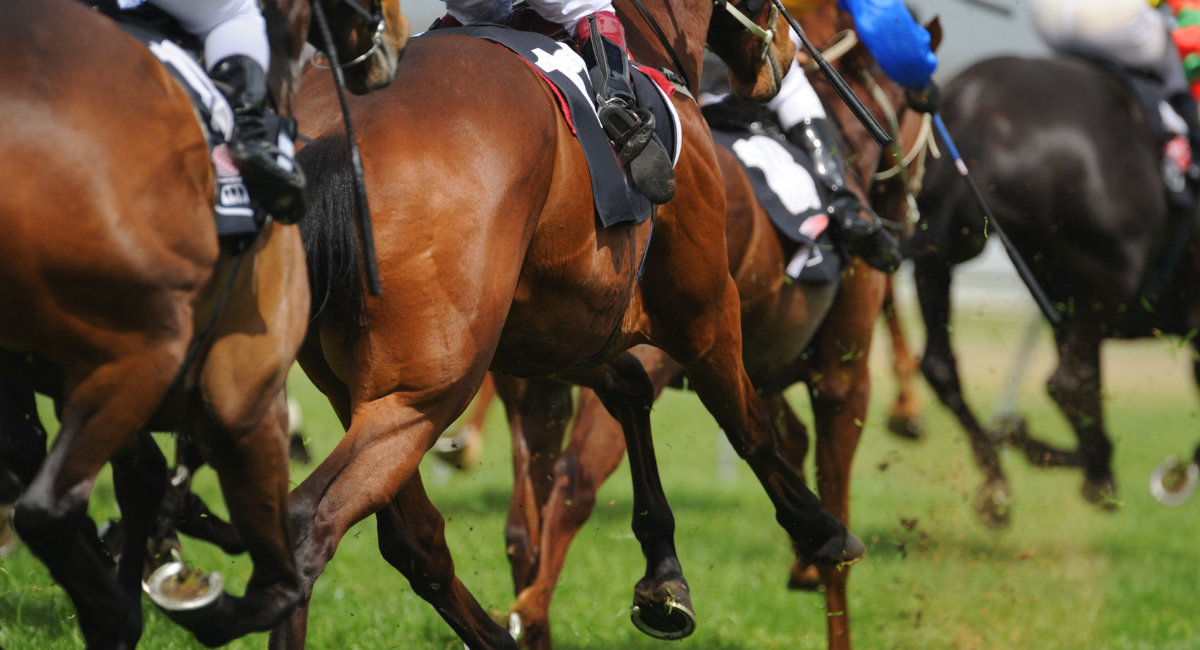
(1063, 576)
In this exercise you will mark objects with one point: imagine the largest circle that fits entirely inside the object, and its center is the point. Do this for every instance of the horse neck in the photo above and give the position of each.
(685, 24)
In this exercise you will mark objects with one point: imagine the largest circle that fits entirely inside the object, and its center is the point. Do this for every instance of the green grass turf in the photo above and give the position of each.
(1063, 576)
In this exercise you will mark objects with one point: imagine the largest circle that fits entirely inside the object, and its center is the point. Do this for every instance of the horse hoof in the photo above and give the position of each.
(804, 577)
(993, 504)
(664, 612)
(840, 551)
(186, 595)
(1171, 484)
(1101, 492)
(909, 428)
(462, 450)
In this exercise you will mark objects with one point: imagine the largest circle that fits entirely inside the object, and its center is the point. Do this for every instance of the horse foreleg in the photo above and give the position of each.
(1075, 387)
(904, 419)
(720, 380)
(412, 538)
(993, 500)
(251, 461)
(841, 394)
(662, 604)
(539, 411)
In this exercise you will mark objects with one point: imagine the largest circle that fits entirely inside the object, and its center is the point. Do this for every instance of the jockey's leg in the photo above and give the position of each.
(803, 118)
(630, 128)
(238, 54)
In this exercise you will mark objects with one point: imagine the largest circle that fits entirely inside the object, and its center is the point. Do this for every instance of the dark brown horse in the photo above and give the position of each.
(792, 332)
(112, 305)
(492, 258)
(1071, 170)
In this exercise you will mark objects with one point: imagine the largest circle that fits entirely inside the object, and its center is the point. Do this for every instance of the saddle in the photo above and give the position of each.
(782, 176)
(238, 217)
(553, 56)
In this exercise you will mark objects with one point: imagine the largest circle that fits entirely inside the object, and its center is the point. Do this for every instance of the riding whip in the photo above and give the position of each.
(374, 286)
(843, 90)
(1039, 296)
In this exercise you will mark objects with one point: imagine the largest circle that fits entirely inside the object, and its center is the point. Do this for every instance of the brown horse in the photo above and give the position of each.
(793, 332)
(114, 286)
(492, 258)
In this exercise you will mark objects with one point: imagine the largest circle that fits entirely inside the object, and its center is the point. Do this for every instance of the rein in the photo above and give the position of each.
(365, 233)
(662, 38)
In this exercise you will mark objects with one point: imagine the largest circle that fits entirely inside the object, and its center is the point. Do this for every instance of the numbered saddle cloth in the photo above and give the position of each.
(780, 174)
(560, 66)
(180, 52)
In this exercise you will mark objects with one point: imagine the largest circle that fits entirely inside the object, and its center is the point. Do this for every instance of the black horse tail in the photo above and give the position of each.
(335, 268)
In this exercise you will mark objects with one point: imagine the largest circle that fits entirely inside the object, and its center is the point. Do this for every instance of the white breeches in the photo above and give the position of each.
(228, 27)
(796, 101)
(567, 13)
(1128, 32)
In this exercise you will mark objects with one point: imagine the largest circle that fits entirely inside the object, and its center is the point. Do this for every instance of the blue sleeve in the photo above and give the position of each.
(895, 40)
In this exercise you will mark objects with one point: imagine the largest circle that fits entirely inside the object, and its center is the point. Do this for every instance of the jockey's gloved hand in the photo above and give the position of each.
(260, 138)
(928, 100)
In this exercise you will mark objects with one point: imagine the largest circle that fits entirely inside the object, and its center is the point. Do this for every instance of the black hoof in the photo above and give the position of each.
(653, 174)
(663, 611)
(906, 427)
(841, 549)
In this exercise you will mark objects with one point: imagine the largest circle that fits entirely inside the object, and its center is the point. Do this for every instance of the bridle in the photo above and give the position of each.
(752, 6)
(376, 18)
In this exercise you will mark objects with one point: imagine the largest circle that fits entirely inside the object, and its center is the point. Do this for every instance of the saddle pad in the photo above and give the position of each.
(779, 173)
(617, 201)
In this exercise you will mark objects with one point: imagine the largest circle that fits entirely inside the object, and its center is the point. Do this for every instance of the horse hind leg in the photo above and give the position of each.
(904, 419)
(412, 538)
(993, 500)
(539, 411)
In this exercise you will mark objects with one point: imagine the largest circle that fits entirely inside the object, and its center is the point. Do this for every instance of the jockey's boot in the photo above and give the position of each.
(601, 39)
(1185, 105)
(262, 146)
(856, 225)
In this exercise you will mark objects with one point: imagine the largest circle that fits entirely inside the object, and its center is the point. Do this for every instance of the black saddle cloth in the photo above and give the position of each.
(783, 179)
(617, 201)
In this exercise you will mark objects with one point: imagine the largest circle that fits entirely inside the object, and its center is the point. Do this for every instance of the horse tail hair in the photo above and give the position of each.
(331, 250)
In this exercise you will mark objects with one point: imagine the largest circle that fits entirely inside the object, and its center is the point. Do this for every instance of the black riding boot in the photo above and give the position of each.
(630, 128)
(270, 173)
(857, 226)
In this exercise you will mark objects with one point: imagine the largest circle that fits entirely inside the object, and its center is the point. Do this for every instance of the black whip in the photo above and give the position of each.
(1039, 296)
(374, 286)
(843, 90)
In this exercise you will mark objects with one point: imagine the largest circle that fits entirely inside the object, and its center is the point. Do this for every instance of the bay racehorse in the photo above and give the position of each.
(1071, 169)
(120, 304)
(492, 258)
(818, 334)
